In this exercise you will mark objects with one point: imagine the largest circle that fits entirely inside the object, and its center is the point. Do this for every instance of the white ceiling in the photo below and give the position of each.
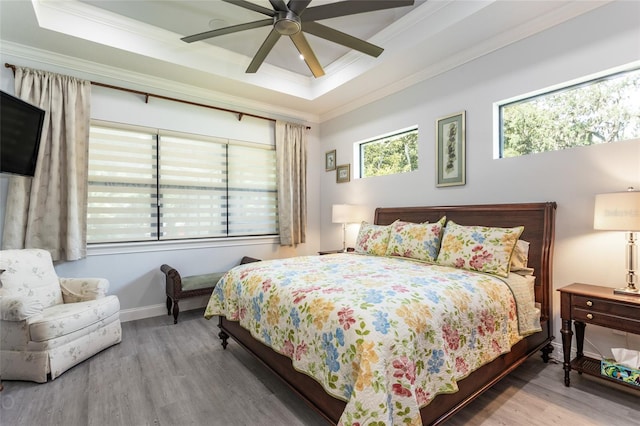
(143, 38)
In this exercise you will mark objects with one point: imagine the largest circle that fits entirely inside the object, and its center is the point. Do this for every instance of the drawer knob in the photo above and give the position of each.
(589, 316)
(589, 303)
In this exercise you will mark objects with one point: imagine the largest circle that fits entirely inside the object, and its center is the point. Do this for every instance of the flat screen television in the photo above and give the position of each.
(20, 132)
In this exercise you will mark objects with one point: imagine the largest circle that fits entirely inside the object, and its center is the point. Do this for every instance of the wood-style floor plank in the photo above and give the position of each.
(164, 374)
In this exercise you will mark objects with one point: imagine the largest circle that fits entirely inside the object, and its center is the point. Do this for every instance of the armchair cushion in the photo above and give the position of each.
(60, 320)
(83, 289)
(18, 308)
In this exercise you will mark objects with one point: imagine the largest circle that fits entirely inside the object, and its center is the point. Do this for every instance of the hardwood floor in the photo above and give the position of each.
(166, 374)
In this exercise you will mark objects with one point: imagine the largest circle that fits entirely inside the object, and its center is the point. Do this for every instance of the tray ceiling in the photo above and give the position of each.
(143, 37)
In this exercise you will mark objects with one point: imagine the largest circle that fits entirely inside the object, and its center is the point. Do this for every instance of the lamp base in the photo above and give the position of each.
(627, 291)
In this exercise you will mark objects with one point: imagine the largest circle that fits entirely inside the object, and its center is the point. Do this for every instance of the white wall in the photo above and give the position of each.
(134, 272)
(605, 38)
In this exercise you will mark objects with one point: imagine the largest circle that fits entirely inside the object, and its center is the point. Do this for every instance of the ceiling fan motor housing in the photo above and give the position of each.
(287, 23)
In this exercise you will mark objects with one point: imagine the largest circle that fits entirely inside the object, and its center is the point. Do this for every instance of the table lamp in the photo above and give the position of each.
(620, 211)
(344, 214)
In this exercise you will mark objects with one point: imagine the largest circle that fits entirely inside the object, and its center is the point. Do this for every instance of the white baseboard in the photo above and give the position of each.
(557, 351)
(149, 311)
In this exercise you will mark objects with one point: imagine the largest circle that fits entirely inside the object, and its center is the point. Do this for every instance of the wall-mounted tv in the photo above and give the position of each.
(20, 132)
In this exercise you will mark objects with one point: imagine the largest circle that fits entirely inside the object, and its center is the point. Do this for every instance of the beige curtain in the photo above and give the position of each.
(49, 211)
(291, 153)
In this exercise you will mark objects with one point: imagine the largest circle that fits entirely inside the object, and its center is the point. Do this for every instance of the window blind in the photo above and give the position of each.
(198, 186)
(122, 188)
(253, 201)
(193, 187)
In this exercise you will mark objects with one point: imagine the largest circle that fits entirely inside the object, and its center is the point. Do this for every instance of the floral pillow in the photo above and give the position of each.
(372, 239)
(416, 240)
(478, 248)
(520, 258)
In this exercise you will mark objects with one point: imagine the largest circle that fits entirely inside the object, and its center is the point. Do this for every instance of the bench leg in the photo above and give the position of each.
(168, 305)
(176, 311)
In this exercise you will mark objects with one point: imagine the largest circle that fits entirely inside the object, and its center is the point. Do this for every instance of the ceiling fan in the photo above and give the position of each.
(294, 18)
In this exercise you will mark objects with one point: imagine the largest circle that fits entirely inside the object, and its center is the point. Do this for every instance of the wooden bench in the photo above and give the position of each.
(178, 287)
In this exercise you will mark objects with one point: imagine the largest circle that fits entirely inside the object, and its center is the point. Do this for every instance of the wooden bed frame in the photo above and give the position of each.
(538, 221)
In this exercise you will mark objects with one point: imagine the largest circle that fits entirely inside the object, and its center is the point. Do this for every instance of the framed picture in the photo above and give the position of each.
(343, 173)
(330, 160)
(450, 150)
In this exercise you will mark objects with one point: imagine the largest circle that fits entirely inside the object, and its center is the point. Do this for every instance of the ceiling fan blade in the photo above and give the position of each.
(300, 41)
(227, 30)
(339, 37)
(251, 6)
(264, 50)
(298, 6)
(350, 7)
(279, 5)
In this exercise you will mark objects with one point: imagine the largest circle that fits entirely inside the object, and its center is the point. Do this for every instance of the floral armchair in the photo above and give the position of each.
(49, 324)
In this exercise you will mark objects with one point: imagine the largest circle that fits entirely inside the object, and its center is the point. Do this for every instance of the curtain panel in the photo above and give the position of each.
(291, 161)
(49, 211)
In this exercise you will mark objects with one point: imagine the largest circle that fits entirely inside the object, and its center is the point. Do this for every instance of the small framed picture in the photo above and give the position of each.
(330, 160)
(450, 150)
(343, 173)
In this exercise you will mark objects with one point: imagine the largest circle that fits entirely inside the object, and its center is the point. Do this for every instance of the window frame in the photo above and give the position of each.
(584, 81)
(358, 152)
(159, 244)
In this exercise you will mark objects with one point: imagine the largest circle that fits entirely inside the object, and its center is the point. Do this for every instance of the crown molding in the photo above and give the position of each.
(111, 75)
(570, 10)
(85, 21)
(349, 74)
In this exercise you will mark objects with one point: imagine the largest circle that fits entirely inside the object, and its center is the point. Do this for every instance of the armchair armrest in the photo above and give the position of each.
(83, 289)
(18, 308)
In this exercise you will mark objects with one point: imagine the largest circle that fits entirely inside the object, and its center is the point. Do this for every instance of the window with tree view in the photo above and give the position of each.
(598, 111)
(396, 153)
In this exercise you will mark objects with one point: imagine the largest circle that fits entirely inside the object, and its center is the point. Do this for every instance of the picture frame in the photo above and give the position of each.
(451, 150)
(330, 160)
(343, 173)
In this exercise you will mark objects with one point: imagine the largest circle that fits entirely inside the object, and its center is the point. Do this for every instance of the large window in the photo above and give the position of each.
(147, 185)
(390, 154)
(598, 111)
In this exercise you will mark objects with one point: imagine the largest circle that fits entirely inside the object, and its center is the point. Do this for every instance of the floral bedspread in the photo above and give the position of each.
(384, 334)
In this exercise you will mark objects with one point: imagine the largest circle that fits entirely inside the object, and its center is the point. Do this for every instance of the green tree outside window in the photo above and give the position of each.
(390, 155)
(598, 111)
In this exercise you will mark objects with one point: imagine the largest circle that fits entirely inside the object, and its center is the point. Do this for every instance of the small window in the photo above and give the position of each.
(390, 154)
(597, 111)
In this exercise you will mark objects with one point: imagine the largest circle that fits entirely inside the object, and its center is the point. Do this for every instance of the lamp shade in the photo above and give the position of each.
(617, 211)
(347, 213)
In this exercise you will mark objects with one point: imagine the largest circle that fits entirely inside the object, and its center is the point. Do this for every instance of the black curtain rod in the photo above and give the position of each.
(167, 98)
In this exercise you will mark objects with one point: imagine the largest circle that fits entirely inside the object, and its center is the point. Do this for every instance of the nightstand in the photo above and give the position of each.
(322, 252)
(585, 304)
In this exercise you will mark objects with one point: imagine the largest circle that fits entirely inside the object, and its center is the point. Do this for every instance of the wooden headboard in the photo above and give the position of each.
(537, 218)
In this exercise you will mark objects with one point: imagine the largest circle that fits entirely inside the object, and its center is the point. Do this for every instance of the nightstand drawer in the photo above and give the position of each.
(589, 316)
(605, 306)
